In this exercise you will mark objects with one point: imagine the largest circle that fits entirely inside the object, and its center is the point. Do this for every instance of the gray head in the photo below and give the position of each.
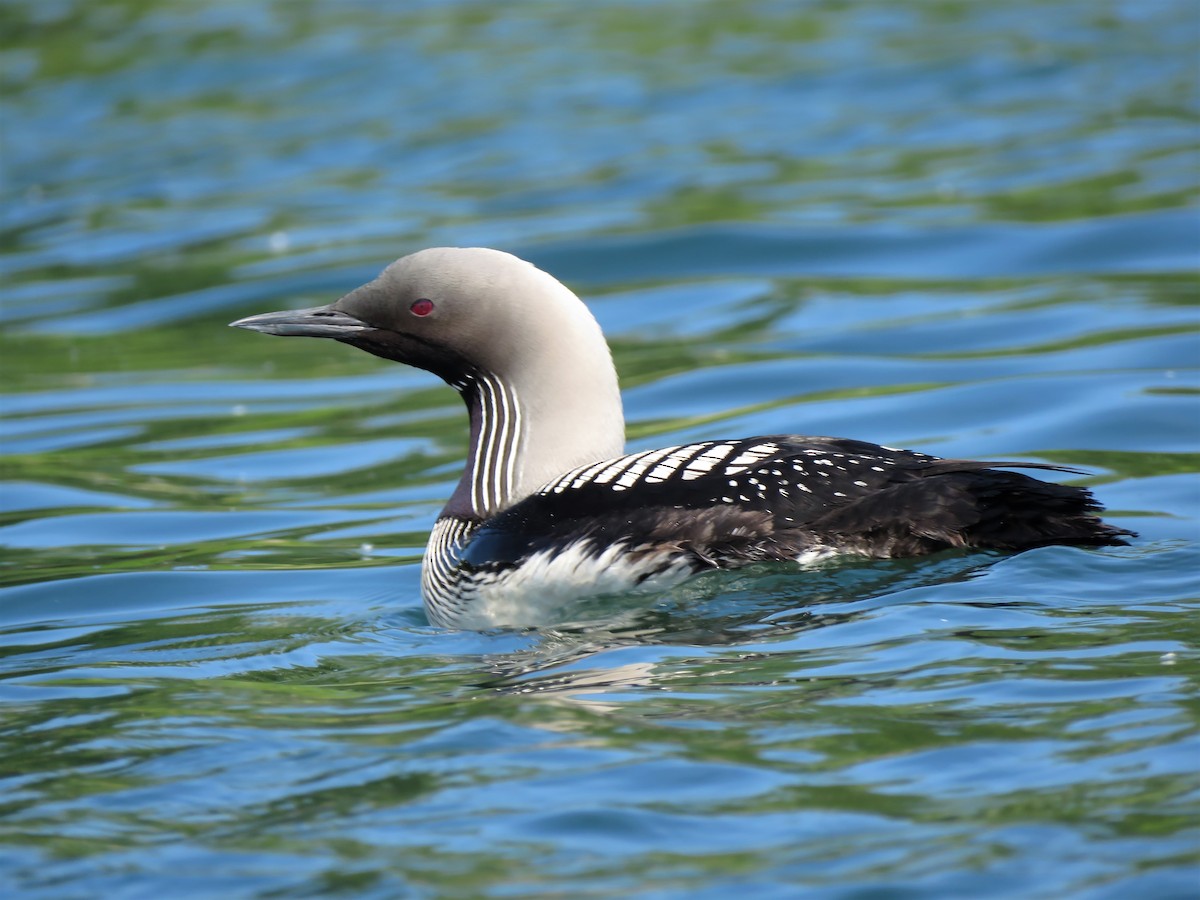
(477, 317)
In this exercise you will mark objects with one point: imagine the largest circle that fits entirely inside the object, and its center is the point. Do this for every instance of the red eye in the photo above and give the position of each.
(421, 307)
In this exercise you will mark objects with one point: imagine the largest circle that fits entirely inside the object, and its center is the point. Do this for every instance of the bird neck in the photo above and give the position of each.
(488, 482)
(525, 432)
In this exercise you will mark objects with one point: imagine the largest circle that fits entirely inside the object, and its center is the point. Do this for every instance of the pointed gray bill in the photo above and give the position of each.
(320, 321)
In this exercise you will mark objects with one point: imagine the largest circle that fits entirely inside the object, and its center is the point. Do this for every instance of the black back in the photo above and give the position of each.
(777, 497)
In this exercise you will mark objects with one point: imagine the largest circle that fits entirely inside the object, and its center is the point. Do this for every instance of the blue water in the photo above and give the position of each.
(970, 229)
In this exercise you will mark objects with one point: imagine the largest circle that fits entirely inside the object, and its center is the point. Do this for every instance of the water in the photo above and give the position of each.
(964, 228)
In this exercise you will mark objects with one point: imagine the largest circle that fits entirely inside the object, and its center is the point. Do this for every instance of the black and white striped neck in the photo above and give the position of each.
(489, 483)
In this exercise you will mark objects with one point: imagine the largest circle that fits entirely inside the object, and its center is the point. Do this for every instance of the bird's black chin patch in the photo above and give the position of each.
(411, 351)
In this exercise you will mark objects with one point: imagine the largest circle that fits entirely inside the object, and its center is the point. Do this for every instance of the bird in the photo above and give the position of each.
(550, 508)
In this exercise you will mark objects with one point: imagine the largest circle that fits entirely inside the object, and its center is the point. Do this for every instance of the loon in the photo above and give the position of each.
(549, 508)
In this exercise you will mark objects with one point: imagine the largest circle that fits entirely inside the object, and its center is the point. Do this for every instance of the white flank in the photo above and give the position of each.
(537, 592)
(815, 555)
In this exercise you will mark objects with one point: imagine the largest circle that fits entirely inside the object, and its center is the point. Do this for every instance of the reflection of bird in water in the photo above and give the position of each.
(549, 510)
(740, 611)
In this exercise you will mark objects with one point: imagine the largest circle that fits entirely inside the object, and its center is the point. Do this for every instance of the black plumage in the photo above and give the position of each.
(808, 494)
